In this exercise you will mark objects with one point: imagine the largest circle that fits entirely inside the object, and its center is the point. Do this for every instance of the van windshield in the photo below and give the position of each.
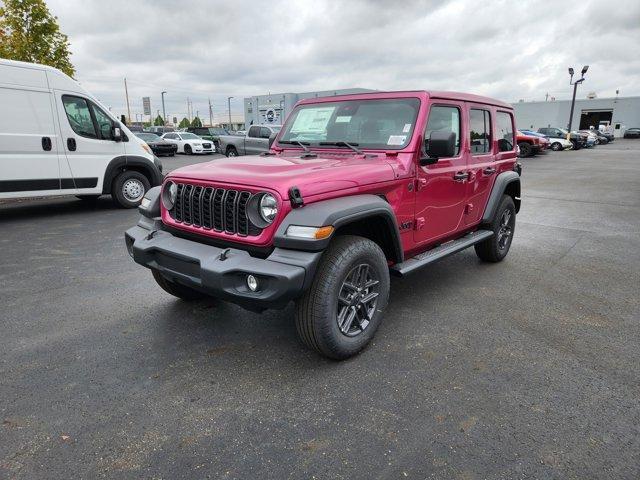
(385, 124)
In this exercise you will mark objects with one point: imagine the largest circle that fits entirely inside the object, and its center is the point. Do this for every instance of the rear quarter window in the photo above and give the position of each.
(505, 131)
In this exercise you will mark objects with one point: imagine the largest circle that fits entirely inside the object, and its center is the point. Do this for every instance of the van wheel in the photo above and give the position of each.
(525, 149)
(232, 152)
(175, 289)
(188, 150)
(128, 188)
(555, 146)
(503, 225)
(340, 313)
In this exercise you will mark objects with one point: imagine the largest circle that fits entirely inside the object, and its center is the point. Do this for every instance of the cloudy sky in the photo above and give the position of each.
(212, 49)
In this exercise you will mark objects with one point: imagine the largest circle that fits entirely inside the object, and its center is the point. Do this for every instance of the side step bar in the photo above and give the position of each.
(438, 253)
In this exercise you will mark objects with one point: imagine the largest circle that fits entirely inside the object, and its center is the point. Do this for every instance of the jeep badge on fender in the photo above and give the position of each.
(316, 220)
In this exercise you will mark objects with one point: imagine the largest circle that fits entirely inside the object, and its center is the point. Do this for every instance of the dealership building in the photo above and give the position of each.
(274, 108)
(619, 112)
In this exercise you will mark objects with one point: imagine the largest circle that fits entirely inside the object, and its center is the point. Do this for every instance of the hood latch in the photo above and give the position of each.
(295, 197)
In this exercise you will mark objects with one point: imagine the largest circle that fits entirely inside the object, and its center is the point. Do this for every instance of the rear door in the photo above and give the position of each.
(86, 137)
(481, 161)
(29, 163)
(441, 188)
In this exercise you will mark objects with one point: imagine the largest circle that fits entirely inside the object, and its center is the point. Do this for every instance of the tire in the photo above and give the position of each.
(494, 249)
(555, 146)
(188, 150)
(319, 310)
(525, 150)
(128, 188)
(232, 152)
(175, 289)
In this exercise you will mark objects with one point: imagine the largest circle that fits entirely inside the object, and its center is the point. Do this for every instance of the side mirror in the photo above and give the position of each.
(272, 138)
(441, 144)
(116, 133)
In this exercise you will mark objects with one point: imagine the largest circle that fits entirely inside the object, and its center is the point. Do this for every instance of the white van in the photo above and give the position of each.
(56, 139)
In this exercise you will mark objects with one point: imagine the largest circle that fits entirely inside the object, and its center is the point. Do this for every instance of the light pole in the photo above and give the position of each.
(229, 105)
(575, 87)
(164, 113)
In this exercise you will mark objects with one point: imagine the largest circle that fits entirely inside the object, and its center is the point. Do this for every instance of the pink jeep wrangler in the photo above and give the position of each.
(354, 188)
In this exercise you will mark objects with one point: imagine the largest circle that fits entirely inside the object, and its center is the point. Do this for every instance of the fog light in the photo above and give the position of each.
(252, 283)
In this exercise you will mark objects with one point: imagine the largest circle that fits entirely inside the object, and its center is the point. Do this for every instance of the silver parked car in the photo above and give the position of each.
(254, 142)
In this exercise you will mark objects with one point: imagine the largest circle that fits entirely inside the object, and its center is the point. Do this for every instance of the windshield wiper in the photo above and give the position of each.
(352, 146)
(296, 142)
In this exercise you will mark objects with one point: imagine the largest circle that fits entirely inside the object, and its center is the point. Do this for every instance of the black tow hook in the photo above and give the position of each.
(224, 255)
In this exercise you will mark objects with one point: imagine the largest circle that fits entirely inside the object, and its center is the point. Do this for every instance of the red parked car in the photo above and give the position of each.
(355, 188)
(531, 145)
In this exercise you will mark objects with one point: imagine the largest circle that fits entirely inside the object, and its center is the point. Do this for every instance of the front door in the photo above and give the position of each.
(481, 161)
(442, 187)
(253, 141)
(87, 140)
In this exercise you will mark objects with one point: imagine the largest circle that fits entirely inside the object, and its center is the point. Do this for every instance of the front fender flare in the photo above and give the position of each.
(337, 212)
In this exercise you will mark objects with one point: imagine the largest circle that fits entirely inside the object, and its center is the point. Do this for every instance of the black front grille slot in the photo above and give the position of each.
(216, 209)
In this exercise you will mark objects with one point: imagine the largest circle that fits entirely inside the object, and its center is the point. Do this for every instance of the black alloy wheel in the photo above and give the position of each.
(357, 300)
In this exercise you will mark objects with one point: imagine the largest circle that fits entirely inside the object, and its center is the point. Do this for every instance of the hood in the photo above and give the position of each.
(327, 172)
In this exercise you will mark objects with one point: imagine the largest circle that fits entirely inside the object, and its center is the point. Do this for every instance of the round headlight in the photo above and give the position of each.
(268, 207)
(169, 195)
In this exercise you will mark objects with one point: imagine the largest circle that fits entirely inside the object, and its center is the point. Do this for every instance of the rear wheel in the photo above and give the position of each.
(188, 150)
(128, 188)
(555, 146)
(525, 149)
(175, 289)
(340, 313)
(503, 225)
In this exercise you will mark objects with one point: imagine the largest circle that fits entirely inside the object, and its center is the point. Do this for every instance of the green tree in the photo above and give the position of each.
(29, 33)
(159, 121)
(184, 123)
(196, 122)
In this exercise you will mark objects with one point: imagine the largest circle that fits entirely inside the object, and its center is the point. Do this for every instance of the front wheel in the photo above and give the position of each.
(188, 150)
(503, 225)
(175, 289)
(555, 146)
(340, 313)
(128, 188)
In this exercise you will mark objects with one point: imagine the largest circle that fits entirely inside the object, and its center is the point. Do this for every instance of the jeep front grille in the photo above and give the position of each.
(215, 209)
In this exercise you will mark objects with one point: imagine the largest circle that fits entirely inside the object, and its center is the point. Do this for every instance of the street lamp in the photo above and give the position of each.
(229, 105)
(164, 113)
(575, 87)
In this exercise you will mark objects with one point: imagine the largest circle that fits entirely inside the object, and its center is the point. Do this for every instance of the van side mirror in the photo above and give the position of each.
(272, 138)
(441, 144)
(116, 133)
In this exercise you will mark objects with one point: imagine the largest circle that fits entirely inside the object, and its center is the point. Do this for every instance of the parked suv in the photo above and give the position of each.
(355, 188)
(57, 139)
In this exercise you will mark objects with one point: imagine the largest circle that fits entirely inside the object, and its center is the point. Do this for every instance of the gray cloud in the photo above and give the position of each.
(205, 49)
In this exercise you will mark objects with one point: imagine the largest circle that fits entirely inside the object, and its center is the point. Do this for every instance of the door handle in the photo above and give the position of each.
(46, 144)
(461, 176)
(71, 144)
(489, 171)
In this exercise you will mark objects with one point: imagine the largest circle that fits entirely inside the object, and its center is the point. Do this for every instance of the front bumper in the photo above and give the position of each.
(201, 149)
(282, 277)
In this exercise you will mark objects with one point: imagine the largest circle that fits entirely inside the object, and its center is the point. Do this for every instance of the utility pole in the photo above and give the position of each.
(229, 104)
(188, 110)
(126, 93)
(164, 112)
(210, 114)
(575, 87)
(546, 97)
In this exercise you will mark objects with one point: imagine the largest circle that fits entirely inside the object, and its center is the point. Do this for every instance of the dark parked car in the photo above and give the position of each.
(209, 133)
(158, 146)
(579, 140)
(632, 133)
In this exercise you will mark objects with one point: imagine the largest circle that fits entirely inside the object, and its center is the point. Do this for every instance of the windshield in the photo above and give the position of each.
(381, 124)
(189, 136)
(148, 137)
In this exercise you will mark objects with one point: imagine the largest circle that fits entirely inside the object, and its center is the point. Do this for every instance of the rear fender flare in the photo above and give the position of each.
(506, 181)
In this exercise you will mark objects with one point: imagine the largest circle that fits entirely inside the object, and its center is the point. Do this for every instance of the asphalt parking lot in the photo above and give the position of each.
(525, 369)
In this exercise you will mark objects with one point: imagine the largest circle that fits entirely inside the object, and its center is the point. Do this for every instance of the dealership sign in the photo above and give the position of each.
(146, 104)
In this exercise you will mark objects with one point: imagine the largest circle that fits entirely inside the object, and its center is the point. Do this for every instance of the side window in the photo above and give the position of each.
(505, 131)
(265, 132)
(254, 132)
(103, 121)
(479, 131)
(444, 119)
(79, 116)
